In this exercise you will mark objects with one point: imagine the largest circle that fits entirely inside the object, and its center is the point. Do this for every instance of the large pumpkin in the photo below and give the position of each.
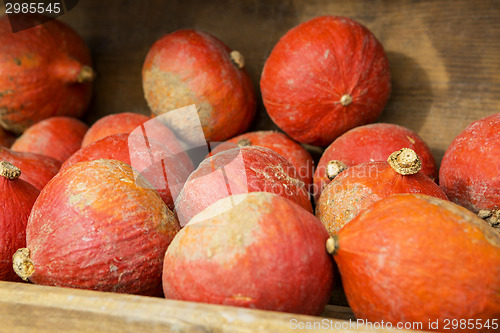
(470, 170)
(237, 171)
(191, 67)
(44, 72)
(323, 78)
(255, 250)
(95, 226)
(412, 258)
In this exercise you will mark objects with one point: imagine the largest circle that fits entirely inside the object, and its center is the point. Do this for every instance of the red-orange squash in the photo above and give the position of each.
(470, 170)
(94, 226)
(117, 123)
(36, 169)
(324, 77)
(16, 200)
(44, 72)
(191, 67)
(358, 187)
(237, 171)
(278, 142)
(368, 143)
(418, 259)
(117, 147)
(255, 250)
(57, 137)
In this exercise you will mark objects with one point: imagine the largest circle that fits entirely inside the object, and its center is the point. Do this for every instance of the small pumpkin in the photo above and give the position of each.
(368, 143)
(358, 187)
(418, 259)
(255, 250)
(470, 169)
(165, 173)
(192, 67)
(37, 169)
(124, 122)
(95, 226)
(324, 77)
(16, 200)
(57, 137)
(45, 71)
(237, 171)
(278, 142)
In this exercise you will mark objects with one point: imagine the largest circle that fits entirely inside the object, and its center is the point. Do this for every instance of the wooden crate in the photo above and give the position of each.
(445, 63)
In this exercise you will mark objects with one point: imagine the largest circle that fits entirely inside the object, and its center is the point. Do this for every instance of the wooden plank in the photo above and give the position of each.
(31, 308)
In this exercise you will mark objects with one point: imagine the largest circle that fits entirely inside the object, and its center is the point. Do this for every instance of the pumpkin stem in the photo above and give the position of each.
(334, 167)
(86, 74)
(332, 245)
(22, 264)
(405, 162)
(345, 100)
(237, 59)
(491, 216)
(244, 143)
(9, 170)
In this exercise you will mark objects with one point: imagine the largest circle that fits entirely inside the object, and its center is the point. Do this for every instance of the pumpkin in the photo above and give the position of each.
(57, 137)
(278, 142)
(95, 226)
(37, 169)
(16, 200)
(470, 169)
(255, 250)
(358, 187)
(44, 72)
(117, 123)
(419, 259)
(368, 143)
(192, 67)
(324, 77)
(164, 175)
(237, 171)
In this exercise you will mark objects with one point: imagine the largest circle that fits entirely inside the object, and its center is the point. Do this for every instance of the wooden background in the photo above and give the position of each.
(444, 55)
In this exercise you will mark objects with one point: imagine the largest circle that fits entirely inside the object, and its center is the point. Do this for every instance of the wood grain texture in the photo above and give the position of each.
(443, 54)
(30, 308)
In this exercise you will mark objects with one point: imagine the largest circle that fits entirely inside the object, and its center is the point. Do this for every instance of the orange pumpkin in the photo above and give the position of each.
(356, 188)
(419, 259)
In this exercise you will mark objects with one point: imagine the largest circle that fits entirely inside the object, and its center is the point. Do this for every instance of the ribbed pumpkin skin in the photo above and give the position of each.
(39, 70)
(237, 171)
(16, 200)
(356, 188)
(116, 147)
(94, 227)
(414, 258)
(265, 252)
(278, 142)
(57, 137)
(191, 67)
(470, 170)
(117, 123)
(373, 142)
(36, 169)
(312, 67)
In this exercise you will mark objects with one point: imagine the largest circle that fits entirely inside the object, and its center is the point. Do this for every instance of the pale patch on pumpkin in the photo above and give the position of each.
(223, 236)
(165, 92)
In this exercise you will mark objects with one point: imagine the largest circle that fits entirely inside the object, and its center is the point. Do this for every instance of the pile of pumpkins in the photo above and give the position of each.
(251, 222)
